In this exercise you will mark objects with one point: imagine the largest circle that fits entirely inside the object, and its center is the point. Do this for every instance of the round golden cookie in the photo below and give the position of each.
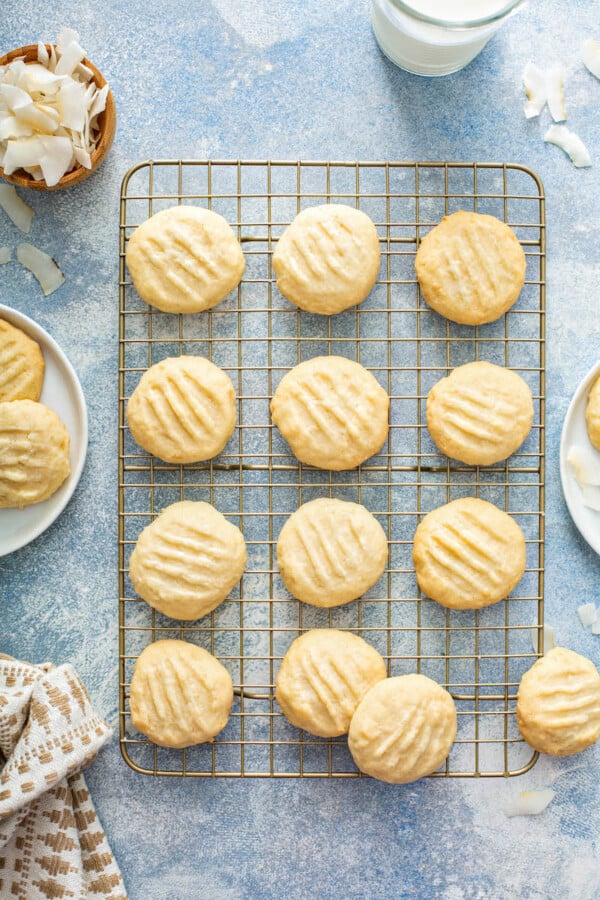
(21, 365)
(180, 695)
(558, 703)
(323, 677)
(183, 410)
(468, 554)
(34, 453)
(403, 729)
(332, 412)
(327, 259)
(330, 552)
(592, 414)
(187, 560)
(480, 413)
(184, 259)
(471, 268)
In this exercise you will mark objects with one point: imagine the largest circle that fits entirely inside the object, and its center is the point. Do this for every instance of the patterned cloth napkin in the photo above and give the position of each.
(51, 842)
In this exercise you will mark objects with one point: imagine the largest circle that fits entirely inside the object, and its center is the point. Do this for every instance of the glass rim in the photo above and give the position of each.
(404, 6)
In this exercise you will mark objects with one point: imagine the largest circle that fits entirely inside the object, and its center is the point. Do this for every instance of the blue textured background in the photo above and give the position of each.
(275, 78)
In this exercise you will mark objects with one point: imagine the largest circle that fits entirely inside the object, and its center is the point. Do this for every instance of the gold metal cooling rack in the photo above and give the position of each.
(257, 336)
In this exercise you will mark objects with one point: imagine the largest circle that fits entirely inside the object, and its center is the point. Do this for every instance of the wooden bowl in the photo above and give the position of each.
(107, 122)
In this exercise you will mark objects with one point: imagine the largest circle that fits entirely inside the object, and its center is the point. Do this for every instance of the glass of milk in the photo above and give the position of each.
(437, 37)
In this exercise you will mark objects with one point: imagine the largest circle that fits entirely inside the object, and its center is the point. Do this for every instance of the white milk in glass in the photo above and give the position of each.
(429, 49)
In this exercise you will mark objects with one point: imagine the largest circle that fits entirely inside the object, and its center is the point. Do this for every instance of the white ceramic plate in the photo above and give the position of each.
(575, 432)
(62, 393)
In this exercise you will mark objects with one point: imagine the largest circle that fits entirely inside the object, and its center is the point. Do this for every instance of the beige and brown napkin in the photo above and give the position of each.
(51, 842)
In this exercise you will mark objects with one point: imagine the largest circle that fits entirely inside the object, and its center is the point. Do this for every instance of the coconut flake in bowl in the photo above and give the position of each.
(57, 115)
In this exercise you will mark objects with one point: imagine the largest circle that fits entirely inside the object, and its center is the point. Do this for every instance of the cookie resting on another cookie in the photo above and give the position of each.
(328, 258)
(403, 729)
(187, 560)
(558, 703)
(21, 365)
(180, 695)
(34, 453)
(184, 259)
(480, 414)
(183, 410)
(471, 268)
(323, 677)
(332, 412)
(330, 552)
(468, 554)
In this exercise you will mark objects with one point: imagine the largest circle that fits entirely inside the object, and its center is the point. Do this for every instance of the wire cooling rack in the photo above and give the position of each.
(257, 336)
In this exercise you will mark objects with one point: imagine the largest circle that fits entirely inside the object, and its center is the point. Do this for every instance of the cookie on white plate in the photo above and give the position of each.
(592, 414)
(34, 453)
(21, 365)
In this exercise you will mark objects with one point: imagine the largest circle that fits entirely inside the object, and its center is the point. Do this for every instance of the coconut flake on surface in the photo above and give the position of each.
(54, 96)
(529, 803)
(548, 639)
(544, 86)
(588, 614)
(571, 143)
(5, 255)
(555, 97)
(590, 53)
(41, 266)
(15, 208)
(596, 626)
(534, 82)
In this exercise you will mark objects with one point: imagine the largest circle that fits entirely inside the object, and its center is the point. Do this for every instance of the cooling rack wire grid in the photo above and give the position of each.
(257, 336)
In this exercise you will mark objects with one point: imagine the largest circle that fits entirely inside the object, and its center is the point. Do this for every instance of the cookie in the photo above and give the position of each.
(21, 365)
(468, 554)
(330, 552)
(332, 412)
(34, 453)
(471, 268)
(403, 729)
(558, 703)
(323, 677)
(592, 414)
(187, 560)
(480, 414)
(184, 259)
(180, 695)
(327, 259)
(183, 410)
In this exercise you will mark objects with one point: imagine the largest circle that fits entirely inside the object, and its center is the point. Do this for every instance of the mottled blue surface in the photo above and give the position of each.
(229, 79)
